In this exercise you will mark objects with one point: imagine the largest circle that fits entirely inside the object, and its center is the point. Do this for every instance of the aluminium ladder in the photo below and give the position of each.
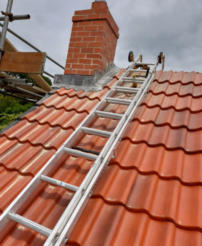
(63, 227)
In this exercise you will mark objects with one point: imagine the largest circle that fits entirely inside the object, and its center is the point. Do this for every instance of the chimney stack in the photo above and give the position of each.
(93, 41)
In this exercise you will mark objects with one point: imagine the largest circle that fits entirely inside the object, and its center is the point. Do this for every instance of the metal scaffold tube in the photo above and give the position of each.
(5, 26)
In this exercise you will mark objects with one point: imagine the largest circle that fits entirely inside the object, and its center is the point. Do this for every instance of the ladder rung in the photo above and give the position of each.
(85, 150)
(30, 224)
(126, 89)
(118, 101)
(139, 70)
(136, 70)
(79, 153)
(58, 183)
(133, 80)
(109, 115)
(93, 131)
(148, 64)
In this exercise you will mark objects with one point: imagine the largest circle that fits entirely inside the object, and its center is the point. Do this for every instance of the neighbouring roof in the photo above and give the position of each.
(151, 192)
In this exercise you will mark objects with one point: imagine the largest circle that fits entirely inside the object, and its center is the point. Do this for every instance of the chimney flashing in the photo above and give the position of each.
(86, 83)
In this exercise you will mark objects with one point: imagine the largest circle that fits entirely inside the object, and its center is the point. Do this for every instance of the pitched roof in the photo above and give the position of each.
(151, 192)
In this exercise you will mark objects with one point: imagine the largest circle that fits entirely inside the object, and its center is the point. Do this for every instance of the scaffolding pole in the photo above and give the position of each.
(5, 26)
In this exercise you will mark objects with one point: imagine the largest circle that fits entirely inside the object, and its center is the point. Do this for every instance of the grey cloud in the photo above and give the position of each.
(171, 26)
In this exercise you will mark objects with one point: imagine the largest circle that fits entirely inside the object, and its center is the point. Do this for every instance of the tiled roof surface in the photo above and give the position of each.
(151, 192)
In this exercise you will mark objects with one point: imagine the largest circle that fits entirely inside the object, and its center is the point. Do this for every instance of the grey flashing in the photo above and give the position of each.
(54, 89)
(108, 76)
(44, 98)
(86, 82)
(74, 81)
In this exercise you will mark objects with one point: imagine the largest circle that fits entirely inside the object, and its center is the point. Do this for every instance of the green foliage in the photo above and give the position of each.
(6, 119)
(10, 109)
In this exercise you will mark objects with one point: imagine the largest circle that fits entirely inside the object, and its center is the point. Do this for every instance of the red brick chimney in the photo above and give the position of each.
(93, 40)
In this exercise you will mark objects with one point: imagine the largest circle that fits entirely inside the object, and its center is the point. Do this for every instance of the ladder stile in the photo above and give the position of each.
(100, 159)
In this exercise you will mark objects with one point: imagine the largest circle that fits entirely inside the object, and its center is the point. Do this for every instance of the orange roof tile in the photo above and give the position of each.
(151, 192)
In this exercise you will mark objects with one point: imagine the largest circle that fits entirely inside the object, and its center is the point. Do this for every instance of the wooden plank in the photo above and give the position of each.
(40, 81)
(23, 62)
(36, 77)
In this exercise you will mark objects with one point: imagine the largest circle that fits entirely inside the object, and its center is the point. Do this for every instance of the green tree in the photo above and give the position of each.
(10, 109)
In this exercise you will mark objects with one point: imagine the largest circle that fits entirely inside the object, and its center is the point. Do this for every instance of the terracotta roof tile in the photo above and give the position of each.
(175, 119)
(36, 134)
(72, 103)
(54, 117)
(29, 163)
(113, 224)
(170, 164)
(181, 138)
(177, 88)
(82, 94)
(150, 194)
(175, 77)
(161, 198)
(174, 101)
(10, 186)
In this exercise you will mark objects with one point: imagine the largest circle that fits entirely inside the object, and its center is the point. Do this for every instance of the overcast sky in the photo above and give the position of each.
(147, 27)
